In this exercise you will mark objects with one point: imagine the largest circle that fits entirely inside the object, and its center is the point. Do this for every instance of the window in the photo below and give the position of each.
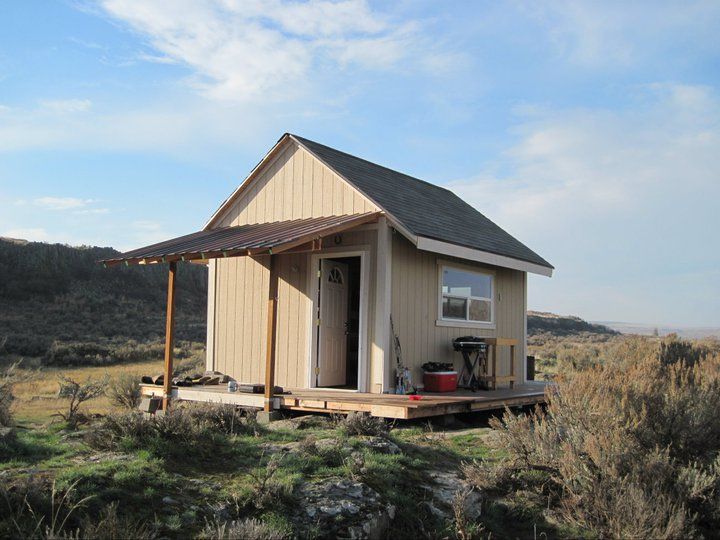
(335, 276)
(466, 296)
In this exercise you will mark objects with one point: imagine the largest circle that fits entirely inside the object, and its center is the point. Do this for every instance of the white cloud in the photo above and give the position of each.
(618, 33)
(622, 202)
(30, 234)
(265, 48)
(93, 211)
(66, 106)
(61, 203)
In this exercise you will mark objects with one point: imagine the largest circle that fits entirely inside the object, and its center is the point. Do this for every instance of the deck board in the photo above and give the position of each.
(381, 405)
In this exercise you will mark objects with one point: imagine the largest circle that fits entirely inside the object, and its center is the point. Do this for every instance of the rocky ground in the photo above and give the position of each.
(308, 476)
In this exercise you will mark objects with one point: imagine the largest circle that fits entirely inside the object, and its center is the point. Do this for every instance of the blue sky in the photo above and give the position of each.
(590, 130)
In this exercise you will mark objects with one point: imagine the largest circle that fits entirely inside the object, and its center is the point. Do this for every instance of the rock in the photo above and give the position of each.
(309, 421)
(382, 446)
(323, 445)
(446, 486)
(170, 501)
(343, 508)
(73, 435)
(275, 448)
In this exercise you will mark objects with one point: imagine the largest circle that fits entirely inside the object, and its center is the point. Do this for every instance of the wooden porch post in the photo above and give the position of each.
(169, 336)
(271, 334)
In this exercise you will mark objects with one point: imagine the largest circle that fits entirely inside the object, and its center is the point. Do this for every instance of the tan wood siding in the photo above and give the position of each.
(415, 298)
(294, 185)
(241, 311)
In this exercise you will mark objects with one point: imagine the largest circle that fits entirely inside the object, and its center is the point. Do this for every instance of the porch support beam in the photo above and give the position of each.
(271, 335)
(169, 336)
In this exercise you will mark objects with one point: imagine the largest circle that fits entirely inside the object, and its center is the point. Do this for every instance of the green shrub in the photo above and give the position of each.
(76, 394)
(132, 351)
(364, 424)
(81, 353)
(623, 450)
(227, 419)
(124, 391)
(188, 431)
(25, 344)
(110, 526)
(7, 380)
(673, 350)
(247, 529)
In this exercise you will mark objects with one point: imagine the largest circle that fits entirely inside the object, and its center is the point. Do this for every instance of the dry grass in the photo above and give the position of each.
(36, 393)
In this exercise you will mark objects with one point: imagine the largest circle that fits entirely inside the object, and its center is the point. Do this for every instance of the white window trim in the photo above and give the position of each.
(465, 323)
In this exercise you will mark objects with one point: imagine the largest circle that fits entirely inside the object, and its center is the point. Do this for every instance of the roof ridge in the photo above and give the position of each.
(370, 162)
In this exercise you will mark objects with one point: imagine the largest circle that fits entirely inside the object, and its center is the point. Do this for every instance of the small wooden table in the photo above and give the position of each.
(494, 378)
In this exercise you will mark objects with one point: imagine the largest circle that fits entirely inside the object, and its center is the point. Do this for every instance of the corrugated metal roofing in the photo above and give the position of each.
(243, 239)
(423, 208)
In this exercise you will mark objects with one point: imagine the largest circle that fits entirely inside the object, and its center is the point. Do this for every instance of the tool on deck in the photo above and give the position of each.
(403, 377)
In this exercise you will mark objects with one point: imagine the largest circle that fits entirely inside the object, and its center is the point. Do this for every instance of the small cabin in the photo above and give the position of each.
(327, 272)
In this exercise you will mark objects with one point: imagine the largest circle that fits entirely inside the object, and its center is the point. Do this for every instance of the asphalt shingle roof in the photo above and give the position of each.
(425, 209)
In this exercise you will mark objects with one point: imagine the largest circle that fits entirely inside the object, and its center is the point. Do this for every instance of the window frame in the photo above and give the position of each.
(467, 322)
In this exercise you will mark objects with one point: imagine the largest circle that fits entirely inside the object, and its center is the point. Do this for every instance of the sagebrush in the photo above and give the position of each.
(626, 450)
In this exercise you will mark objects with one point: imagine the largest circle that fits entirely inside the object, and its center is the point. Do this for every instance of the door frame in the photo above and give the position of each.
(357, 251)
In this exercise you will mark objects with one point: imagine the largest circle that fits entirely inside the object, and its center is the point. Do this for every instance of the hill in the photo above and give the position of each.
(52, 293)
(540, 322)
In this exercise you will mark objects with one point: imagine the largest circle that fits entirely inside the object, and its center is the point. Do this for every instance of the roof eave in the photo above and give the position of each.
(477, 255)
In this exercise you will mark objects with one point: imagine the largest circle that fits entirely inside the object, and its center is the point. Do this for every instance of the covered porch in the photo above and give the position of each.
(266, 242)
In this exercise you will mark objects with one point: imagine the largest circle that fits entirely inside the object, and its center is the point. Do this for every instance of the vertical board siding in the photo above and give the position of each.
(415, 298)
(294, 185)
(240, 325)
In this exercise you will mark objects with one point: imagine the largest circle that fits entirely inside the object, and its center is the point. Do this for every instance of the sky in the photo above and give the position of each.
(588, 130)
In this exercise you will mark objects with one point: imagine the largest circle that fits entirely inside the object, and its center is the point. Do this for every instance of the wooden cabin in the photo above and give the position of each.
(320, 259)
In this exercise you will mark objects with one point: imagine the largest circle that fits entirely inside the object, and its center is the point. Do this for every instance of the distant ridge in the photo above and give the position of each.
(642, 329)
(563, 325)
(54, 292)
(17, 241)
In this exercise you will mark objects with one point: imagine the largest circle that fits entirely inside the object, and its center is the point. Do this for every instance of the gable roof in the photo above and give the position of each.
(424, 209)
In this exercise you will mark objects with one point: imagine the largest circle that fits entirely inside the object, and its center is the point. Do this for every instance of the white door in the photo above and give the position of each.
(332, 355)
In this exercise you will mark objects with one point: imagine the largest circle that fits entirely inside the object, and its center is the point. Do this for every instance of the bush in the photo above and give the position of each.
(227, 419)
(183, 432)
(124, 391)
(76, 394)
(110, 526)
(34, 508)
(7, 379)
(673, 350)
(25, 345)
(364, 424)
(72, 354)
(624, 451)
(132, 351)
(248, 529)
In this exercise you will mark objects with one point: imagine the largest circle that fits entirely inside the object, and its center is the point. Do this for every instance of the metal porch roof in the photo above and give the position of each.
(256, 239)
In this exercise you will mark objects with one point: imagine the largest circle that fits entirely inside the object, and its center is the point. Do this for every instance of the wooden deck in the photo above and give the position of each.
(381, 405)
